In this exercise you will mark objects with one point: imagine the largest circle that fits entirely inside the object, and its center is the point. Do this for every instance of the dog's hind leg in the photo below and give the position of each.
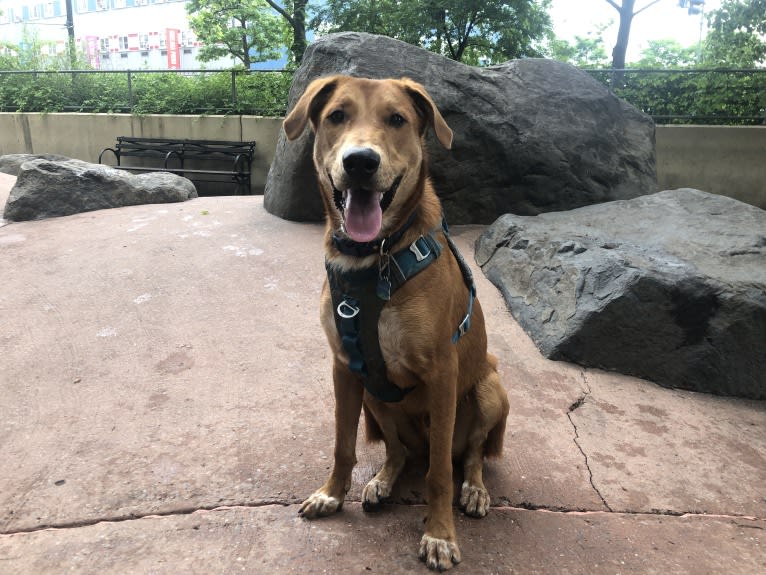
(379, 487)
(484, 440)
(348, 406)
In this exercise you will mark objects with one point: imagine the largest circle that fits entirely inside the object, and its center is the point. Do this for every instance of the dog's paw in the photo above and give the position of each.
(474, 500)
(319, 504)
(439, 554)
(374, 493)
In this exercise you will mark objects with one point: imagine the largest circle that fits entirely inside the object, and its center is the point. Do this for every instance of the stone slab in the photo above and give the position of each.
(273, 539)
(166, 359)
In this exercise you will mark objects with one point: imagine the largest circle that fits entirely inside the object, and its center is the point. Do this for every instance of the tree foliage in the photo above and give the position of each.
(470, 31)
(737, 35)
(585, 52)
(294, 13)
(32, 53)
(666, 54)
(248, 30)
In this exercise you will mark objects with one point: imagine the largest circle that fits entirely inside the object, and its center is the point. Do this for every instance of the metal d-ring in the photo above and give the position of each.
(346, 310)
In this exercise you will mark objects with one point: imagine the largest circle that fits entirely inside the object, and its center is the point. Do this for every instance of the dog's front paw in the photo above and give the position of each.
(439, 554)
(374, 493)
(319, 504)
(474, 500)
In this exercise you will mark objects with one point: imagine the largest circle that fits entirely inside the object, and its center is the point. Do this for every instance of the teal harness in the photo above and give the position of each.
(358, 297)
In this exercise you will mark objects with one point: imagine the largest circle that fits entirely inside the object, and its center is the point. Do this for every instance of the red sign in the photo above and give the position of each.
(91, 47)
(173, 43)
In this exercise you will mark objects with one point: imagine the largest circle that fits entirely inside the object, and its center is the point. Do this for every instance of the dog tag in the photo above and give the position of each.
(384, 289)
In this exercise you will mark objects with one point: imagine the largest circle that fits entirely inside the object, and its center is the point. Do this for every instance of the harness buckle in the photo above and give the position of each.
(464, 326)
(346, 310)
(415, 249)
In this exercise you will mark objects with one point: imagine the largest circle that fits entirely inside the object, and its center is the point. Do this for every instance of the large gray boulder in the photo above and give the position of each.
(669, 287)
(531, 135)
(46, 189)
(11, 163)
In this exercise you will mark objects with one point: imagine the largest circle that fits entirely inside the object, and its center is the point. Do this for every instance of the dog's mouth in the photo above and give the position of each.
(362, 210)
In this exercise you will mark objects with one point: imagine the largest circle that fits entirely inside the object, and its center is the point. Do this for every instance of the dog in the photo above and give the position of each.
(397, 305)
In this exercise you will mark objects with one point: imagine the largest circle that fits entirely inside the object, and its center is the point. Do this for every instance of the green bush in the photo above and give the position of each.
(259, 93)
(693, 96)
(690, 96)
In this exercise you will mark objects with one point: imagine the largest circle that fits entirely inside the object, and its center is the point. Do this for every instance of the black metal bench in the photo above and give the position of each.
(173, 155)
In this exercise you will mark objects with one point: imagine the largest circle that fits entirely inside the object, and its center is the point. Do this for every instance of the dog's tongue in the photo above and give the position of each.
(363, 216)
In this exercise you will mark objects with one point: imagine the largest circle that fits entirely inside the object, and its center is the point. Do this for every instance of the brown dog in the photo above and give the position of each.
(421, 376)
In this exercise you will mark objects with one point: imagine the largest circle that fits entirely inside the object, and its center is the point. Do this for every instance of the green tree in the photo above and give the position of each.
(32, 53)
(470, 31)
(666, 54)
(294, 14)
(248, 30)
(627, 10)
(585, 52)
(737, 35)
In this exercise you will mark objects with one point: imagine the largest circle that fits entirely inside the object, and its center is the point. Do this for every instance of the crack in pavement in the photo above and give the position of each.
(287, 503)
(152, 515)
(576, 405)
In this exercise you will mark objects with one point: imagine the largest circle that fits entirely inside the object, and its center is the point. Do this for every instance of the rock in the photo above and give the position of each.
(531, 135)
(11, 163)
(46, 189)
(670, 287)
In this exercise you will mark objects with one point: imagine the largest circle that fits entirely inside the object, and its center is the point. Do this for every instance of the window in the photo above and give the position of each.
(103, 44)
(48, 9)
(82, 6)
(37, 12)
(123, 43)
(187, 38)
(143, 41)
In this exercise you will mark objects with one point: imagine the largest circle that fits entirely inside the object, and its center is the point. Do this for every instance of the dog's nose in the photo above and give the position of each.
(361, 163)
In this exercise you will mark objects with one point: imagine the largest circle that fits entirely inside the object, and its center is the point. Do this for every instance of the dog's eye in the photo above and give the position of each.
(337, 116)
(396, 120)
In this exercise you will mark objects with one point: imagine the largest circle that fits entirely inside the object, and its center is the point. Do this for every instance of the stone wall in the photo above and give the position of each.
(725, 160)
(83, 136)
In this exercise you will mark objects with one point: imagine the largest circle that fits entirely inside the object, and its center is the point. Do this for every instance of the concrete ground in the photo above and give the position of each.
(166, 403)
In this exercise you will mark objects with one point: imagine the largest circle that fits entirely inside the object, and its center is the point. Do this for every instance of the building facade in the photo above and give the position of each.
(114, 34)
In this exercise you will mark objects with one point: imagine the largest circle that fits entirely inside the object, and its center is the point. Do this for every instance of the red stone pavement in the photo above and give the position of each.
(166, 403)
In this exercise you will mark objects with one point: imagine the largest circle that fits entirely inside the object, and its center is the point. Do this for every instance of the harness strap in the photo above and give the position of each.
(465, 325)
(358, 297)
(357, 311)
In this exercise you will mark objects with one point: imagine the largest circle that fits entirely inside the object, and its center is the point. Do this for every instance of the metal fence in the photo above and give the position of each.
(692, 96)
(257, 92)
(686, 96)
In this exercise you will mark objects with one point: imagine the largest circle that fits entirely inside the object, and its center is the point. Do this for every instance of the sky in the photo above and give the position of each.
(664, 20)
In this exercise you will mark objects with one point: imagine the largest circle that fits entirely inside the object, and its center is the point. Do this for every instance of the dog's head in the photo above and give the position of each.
(368, 150)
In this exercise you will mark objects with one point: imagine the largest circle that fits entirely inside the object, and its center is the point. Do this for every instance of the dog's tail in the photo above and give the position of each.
(493, 446)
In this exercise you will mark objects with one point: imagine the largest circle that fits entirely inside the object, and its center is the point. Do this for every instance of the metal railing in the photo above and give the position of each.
(256, 92)
(692, 95)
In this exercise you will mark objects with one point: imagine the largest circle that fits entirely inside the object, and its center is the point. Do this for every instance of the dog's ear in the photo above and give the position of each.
(427, 107)
(309, 106)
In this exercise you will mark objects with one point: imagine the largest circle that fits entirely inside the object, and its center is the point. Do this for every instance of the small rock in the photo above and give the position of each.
(46, 189)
